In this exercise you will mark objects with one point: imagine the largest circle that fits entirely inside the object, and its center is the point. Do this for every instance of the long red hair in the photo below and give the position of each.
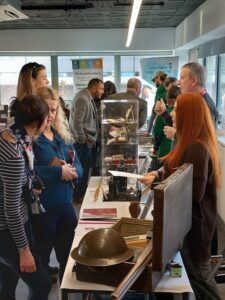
(194, 124)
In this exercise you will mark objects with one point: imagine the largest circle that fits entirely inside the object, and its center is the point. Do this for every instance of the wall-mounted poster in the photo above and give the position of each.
(84, 70)
(149, 66)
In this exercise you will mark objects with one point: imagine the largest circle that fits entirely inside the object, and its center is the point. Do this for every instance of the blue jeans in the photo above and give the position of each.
(85, 156)
(38, 282)
(55, 229)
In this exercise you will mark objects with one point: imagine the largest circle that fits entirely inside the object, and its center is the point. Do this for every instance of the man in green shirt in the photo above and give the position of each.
(158, 79)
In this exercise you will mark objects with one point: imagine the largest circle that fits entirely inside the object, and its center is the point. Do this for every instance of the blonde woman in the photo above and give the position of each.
(59, 167)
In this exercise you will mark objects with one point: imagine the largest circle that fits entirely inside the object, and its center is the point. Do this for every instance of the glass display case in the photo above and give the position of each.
(119, 136)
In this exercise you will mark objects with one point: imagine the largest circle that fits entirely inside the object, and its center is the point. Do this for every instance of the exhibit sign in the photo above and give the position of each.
(150, 66)
(84, 70)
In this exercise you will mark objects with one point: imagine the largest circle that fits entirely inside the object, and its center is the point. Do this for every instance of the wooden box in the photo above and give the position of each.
(171, 222)
(129, 226)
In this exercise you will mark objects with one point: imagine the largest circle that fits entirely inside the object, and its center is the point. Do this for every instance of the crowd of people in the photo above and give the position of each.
(49, 153)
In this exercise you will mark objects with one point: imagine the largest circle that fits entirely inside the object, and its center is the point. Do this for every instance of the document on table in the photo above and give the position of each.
(85, 226)
(125, 174)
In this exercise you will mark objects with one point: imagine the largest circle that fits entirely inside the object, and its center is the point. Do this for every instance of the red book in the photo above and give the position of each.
(99, 213)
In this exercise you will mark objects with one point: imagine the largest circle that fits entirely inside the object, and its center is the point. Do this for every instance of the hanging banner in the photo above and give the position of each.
(84, 70)
(150, 66)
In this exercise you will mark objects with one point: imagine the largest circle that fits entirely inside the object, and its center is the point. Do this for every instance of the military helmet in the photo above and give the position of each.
(102, 247)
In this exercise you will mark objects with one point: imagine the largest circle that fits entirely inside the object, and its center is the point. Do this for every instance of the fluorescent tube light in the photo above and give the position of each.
(133, 20)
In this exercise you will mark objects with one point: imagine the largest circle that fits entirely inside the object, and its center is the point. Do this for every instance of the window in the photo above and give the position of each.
(211, 65)
(10, 68)
(221, 90)
(130, 67)
(221, 79)
(201, 61)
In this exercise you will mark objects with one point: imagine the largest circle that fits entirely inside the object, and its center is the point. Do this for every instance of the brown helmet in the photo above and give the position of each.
(102, 247)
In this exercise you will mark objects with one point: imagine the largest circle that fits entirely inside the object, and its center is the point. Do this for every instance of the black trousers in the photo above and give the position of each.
(38, 282)
(55, 229)
(84, 153)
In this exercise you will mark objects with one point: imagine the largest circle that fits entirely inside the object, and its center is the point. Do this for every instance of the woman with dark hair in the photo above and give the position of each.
(64, 108)
(162, 144)
(196, 144)
(32, 76)
(109, 89)
(19, 190)
(169, 82)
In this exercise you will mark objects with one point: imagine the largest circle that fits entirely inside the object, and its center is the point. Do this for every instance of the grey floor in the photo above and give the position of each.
(21, 292)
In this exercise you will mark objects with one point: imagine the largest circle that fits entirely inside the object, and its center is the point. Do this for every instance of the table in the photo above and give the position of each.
(70, 284)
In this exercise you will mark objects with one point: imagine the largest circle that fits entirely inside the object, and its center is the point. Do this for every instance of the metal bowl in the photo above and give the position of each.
(102, 247)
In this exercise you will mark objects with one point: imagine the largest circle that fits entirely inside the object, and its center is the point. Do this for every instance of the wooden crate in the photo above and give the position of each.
(131, 226)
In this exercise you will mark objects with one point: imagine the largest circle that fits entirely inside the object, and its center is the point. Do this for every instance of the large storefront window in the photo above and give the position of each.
(201, 61)
(9, 72)
(211, 65)
(221, 90)
(131, 67)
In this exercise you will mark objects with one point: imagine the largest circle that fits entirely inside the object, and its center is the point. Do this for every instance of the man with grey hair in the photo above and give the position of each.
(192, 80)
(134, 87)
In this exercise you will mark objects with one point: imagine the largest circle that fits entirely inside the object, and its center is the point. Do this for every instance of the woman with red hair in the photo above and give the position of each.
(196, 144)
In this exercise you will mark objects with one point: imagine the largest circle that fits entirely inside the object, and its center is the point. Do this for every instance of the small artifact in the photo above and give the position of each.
(118, 157)
(175, 270)
(134, 209)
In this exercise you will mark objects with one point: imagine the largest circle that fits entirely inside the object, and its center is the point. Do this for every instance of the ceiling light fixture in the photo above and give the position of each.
(135, 11)
(149, 3)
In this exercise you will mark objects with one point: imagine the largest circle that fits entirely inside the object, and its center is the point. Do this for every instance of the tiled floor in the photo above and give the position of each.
(22, 292)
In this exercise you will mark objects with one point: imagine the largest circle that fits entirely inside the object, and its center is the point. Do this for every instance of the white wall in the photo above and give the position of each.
(71, 40)
(204, 24)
